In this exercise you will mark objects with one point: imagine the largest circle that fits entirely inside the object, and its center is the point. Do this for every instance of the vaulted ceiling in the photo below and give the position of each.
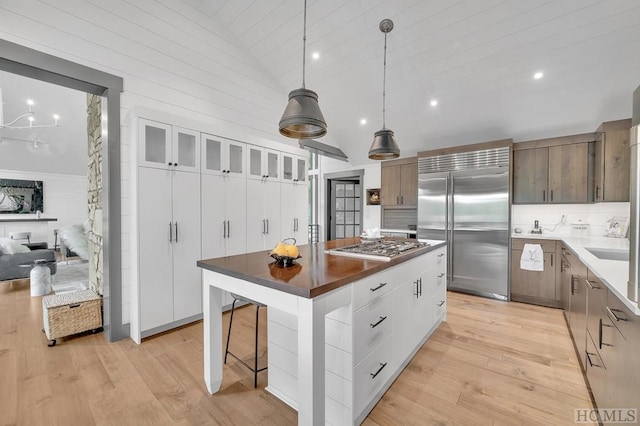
(477, 58)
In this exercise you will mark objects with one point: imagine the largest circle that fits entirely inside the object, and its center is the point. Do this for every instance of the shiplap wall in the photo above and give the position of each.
(172, 57)
(65, 198)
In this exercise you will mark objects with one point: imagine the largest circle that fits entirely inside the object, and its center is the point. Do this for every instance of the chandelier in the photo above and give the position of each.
(25, 120)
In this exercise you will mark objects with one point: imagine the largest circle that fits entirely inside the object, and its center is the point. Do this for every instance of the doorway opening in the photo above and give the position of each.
(344, 204)
(31, 63)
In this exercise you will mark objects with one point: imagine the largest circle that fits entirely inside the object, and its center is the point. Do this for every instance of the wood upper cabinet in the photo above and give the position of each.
(530, 174)
(399, 185)
(555, 170)
(568, 173)
(612, 161)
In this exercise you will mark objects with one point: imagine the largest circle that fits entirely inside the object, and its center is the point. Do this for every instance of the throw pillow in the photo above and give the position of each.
(9, 246)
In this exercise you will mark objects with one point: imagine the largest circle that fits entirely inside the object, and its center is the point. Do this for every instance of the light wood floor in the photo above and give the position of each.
(491, 363)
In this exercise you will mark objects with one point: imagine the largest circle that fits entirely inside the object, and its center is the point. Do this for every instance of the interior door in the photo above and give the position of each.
(480, 232)
(345, 209)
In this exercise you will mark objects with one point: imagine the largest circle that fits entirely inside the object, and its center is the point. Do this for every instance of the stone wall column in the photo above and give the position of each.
(94, 193)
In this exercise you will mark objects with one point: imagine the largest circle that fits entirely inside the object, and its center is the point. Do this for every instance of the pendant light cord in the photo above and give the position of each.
(304, 43)
(384, 83)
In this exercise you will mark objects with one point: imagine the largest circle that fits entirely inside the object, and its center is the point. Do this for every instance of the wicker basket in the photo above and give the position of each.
(71, 313)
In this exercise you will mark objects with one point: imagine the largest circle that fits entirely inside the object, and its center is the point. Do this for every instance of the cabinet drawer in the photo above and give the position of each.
(596, 301)
(372, 324)
(439, 303)
(547, 246)
(596, 372)
(371, 374)
(377, 285)
(621, 316)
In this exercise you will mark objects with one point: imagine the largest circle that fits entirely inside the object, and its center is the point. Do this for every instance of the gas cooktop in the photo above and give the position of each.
(383, 250)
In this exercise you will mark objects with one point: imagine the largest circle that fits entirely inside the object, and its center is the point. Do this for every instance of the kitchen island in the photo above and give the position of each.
(341, 329)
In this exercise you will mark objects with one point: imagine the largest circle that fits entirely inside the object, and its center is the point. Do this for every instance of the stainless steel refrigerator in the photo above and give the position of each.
(469, 208)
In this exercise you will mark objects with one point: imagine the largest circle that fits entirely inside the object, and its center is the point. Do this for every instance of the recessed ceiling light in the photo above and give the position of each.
(434, 102)
(29, 102)
(363, 121)
(315, 55)
(538, 75)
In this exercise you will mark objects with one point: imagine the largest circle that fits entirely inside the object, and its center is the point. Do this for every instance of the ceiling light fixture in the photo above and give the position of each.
(538, 75)
(302, 118)
(315, 55)
(29, 115)
(384, 146)
(434, 102)
(363, 121)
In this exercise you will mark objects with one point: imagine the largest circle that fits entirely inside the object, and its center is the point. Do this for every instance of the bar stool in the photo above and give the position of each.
(254, 369)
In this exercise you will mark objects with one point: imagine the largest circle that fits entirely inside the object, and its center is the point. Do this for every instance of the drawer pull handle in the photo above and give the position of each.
(75, 305)
(441, 254)
(591, 364)
(617, 318)
(441, 275)
(374, 325)
(441, 303)
(379, 287)
(382, 366)
(593, 285)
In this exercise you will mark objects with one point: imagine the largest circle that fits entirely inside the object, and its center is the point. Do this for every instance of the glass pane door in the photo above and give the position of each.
(345, 209)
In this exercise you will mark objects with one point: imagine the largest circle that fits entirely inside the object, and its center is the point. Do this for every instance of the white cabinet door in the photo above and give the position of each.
(236, 215)
(187, 288)
(271, 205)
(235, 154)
(213, 216)
(256, 225)
(185, 151)
(294, 216)
(212, 154)
(405, 302)
(154, 144)
(155, 225)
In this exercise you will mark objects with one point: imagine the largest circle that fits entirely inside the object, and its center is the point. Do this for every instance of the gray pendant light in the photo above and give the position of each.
(302, 118)
(384, 146)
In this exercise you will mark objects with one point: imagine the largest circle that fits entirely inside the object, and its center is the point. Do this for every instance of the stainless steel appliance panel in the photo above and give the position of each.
(432, 206)
(480, 232)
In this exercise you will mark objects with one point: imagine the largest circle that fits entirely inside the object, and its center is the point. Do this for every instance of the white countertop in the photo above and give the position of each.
(613, 273)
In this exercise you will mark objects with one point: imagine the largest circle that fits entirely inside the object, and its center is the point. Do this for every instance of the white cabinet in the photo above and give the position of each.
(294, 168)
(263, 214)
(222, 156)
(169, 247)
(418, 304)
(224, 216)
(294, 200)
(264, 163)
(164, 146)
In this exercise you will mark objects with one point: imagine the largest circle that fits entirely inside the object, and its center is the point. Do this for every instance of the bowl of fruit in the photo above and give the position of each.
(285, 253)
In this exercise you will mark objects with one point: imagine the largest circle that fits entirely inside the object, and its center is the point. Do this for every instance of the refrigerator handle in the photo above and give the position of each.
(450, 193)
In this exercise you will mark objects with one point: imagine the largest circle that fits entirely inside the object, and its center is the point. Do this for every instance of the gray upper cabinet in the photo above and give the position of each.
(612, 161)
(530, 175)
(568, 173)
(556, 170)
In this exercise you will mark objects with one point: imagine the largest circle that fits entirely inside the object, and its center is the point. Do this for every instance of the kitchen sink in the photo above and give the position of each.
(609, 254)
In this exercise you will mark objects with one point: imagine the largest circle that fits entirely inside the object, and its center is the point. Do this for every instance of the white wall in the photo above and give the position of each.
(65, 198)
(173, 58)
(596, 215)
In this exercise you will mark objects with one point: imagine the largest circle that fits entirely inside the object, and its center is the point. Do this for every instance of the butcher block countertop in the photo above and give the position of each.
(314, 274)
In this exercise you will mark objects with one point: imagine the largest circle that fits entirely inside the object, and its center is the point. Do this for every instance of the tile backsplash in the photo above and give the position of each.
(548, 215)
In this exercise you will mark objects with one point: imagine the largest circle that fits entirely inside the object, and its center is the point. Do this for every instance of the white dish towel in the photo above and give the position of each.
(532, 258)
